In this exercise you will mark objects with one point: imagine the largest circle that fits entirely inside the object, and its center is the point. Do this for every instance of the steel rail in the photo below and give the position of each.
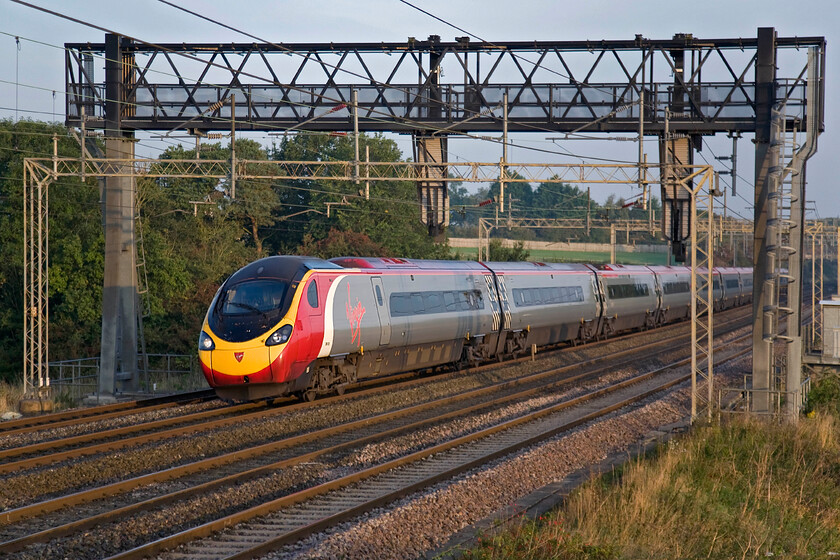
(120, 487)
(240, 477)
(207, 529)
(80, 415)
(56, 532)
(378, 384)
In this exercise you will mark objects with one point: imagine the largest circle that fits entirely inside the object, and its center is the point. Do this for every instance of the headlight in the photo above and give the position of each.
(205, 342)
(279, 336)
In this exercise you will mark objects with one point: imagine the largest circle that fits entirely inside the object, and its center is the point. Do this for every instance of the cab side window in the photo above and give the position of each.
(312, 295)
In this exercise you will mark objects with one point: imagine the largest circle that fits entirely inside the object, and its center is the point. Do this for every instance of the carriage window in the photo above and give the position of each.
(432, 302)
(400, 304)
(312, 295)
(378, 296)
(621, 291)
(525, 297)
(417, 303)
(679, 287)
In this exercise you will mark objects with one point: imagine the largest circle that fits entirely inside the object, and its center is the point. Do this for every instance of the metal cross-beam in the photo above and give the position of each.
(473, 172)
(432, 85)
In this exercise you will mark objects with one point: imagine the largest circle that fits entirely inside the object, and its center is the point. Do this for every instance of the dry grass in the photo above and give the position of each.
(742, 490)
(10, 396)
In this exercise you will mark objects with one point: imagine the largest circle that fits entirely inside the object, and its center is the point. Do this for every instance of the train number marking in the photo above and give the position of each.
(354, 315)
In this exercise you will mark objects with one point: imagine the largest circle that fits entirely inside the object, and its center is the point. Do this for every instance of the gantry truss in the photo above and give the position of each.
(432, 85)
(39, 173)
(474, 172)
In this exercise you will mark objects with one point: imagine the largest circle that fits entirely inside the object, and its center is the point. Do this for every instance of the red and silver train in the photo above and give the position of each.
(289, 324)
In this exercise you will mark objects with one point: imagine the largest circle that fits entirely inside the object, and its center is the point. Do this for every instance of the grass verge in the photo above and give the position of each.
(744, 489)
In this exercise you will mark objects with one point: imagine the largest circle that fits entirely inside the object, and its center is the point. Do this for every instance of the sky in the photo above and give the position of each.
(37, 66)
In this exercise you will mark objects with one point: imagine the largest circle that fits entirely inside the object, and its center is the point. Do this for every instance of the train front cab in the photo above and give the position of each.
(263, 329)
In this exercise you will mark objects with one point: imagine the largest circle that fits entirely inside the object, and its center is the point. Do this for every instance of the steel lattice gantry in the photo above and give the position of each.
(434, 86)
(40, 173)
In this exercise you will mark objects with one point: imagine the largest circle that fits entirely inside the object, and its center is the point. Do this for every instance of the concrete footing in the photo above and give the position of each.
(29, 407)
(95, 400)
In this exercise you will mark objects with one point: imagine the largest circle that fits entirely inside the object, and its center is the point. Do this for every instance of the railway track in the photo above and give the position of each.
(291, 518)
(77, 416)
(308, 449)
(41, 453)
(87, 420)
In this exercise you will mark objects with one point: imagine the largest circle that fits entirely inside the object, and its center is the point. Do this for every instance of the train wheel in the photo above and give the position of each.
(309, 395)
(339, 389)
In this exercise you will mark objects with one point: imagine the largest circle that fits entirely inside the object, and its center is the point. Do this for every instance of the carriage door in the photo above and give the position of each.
(503, 301)
(382, 311)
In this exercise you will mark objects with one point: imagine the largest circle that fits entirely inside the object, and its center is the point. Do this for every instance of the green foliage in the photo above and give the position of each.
(389, 217)
(825, 395)
(63, 400)
(498, 252)
(75, 248)
(190, 249)
(342, 244)
(544, 539)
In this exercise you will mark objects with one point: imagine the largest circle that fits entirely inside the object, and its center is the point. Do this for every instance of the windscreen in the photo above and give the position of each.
(248, 309)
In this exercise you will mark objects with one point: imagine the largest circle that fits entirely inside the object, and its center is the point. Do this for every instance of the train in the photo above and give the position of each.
(307, 326)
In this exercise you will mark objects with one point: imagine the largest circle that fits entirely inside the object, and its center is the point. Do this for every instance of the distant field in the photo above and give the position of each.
(580, 256)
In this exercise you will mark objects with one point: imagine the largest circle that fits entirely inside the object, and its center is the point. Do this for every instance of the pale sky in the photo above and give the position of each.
(42, 65)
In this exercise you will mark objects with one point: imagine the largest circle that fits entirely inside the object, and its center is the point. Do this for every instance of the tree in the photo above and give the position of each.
(75, 249)
(342, 244)
(390, 218)
(498, 252)
(191, 248)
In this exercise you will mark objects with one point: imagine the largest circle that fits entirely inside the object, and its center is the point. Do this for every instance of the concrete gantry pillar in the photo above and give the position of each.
(766, 159)
(118, 361)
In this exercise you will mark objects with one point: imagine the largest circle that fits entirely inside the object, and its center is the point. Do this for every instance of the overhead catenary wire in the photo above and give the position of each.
(425, 98)
(524, 147)
(193, 58)
(421, 126)
(728, 206)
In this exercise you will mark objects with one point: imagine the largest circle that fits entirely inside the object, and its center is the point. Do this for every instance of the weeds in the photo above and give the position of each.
(745, 489)
(10, 396)
(63, 400)
(537, 540)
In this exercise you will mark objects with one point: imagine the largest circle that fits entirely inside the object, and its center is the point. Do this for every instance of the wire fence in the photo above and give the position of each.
(74, 380)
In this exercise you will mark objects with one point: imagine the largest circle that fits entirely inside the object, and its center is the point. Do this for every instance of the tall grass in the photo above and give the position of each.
(741, 490)
(10, 396)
